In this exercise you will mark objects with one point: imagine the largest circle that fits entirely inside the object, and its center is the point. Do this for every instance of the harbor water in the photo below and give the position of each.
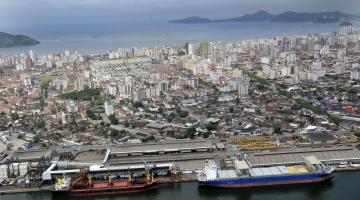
(344, 186)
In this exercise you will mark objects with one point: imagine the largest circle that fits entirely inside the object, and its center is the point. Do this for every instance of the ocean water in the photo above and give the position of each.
(90, 39)
(345, 186)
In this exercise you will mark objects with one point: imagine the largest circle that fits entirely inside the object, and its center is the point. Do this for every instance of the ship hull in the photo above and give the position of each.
(113, 190)
(268, 181)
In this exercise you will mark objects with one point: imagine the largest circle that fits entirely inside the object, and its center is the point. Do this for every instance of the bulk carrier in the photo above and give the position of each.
(85, 186)
(310, 171)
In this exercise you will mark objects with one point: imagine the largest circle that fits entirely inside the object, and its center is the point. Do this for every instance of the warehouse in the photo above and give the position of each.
(326, 155)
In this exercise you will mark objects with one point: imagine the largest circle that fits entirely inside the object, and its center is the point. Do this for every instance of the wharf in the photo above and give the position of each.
(162, 180)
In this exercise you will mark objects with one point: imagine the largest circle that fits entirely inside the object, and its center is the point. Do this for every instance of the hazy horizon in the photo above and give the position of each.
(29, 16)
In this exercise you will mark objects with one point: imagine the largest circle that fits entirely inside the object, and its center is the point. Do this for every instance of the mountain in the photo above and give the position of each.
(191, 20)
(259, 16)
(8, 40)
(322, 17)
(289, 16)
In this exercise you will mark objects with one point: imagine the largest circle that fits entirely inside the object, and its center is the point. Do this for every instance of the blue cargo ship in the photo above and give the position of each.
(312, 170)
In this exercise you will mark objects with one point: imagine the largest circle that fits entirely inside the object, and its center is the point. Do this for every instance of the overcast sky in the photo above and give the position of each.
(37, 13)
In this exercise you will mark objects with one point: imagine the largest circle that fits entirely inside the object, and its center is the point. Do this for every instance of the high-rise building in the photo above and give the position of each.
(32, 57)
(189, 49)
(192, 82)
(339, 68)
(205, 49)
(109, 108)
(243, 84)
(71, 107)
(286, 45)
(80, 83)
(163, 85)
(355, 73)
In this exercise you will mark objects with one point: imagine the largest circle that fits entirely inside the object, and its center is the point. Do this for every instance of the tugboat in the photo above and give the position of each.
(85, 186)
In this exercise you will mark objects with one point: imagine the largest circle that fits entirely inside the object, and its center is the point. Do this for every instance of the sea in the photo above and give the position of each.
(94, 39)
(345, 186)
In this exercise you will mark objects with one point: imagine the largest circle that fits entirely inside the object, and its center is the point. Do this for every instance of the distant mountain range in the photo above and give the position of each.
(289, 16)
(8, 40)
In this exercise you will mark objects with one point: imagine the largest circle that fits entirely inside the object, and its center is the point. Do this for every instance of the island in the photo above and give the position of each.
(9, 40)
(343, 24)
(191, 20)
(286, 17)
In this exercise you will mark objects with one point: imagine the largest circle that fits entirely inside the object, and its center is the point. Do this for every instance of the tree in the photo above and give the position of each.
(113, 119)
(90, 114)
(40, 124)
(277, 130)
(171, 117)
(190, 132)
(207, 134)
(211, 126)
(182, 113)
(126, 123)
(82, 128)
(237, 100)
(114, 133)
(231, 110)
(312, 120)
(14, 116)
(138, 104)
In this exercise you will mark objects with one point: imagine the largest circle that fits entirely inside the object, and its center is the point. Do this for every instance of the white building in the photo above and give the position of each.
(243, 84)
(109, 108)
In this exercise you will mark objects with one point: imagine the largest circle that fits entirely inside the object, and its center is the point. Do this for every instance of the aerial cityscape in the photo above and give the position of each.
(200, 119)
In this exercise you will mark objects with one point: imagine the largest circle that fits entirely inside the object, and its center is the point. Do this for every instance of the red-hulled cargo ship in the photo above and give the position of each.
(85, 186)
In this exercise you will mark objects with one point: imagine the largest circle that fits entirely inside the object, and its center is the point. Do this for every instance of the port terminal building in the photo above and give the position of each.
(330, 156)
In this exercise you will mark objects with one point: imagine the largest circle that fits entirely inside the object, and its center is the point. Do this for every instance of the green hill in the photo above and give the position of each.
(8, 40)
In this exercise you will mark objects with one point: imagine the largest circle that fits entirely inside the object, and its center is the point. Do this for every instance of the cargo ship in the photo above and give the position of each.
(85, 186)
(310, 171)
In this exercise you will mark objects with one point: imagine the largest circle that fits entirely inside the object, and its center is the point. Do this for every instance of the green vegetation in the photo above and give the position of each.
(277, 130)
(211, 126)
(8, 40)
(82, 128)
(90, 114)
(126, 123)
(258, 79)
(14, 116)
(231, 110)
(86, 95)
(40, 124)
(171, 117)
(113, 120)
(138, 104)
(190, 132)
(114, 133)
(47, 78)
(182, 113)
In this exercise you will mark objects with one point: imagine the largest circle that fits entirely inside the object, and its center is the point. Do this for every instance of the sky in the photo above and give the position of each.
(16, 15)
